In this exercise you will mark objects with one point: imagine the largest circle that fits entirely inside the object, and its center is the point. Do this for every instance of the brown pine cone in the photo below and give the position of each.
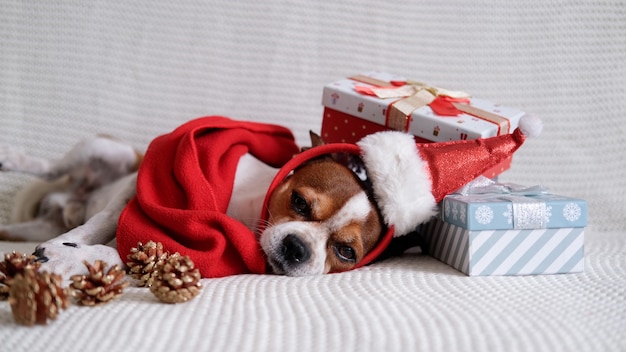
(100, 285)
(13, 264)
(36, 296)
(144, 261)
(177, 281)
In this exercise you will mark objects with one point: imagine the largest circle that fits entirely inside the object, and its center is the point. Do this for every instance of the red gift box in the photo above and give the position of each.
(350, 114)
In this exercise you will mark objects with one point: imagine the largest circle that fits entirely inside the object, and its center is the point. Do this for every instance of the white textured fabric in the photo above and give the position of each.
(412, 303)
(136, 69)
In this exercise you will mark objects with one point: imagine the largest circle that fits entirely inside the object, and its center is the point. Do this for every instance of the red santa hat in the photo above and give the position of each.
(409, 178)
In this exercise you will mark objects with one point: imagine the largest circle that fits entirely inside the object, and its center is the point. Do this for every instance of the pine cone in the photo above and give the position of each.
(177, 281)
(36, 296)
(13, 264)
(145, 260)
(100, 286)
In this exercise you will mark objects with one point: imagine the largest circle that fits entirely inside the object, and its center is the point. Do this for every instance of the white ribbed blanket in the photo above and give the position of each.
(137, 69)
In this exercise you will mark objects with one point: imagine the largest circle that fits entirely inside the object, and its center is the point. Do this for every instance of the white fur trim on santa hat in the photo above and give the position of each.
(401, 183)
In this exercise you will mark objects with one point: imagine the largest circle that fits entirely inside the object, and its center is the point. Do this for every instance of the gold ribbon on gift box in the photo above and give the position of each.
(414, 95)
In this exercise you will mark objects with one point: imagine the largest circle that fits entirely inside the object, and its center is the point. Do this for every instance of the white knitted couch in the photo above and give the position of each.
(137, 69)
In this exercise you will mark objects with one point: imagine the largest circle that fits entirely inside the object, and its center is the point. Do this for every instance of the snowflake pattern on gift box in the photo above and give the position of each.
(454, 211)
(572, 211)
(508, 214)
(462, 214)
(484, 214)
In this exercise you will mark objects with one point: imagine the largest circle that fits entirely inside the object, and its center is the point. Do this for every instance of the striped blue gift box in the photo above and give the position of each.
(506, 252)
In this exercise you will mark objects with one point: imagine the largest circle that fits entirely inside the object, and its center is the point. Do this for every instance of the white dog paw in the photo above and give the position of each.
(67, 259)
(8, 158)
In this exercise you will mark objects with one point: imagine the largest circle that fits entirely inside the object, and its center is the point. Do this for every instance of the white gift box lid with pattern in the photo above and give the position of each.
(343, 96)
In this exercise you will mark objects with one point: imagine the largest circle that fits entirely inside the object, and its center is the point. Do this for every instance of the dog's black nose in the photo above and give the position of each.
(294, 250)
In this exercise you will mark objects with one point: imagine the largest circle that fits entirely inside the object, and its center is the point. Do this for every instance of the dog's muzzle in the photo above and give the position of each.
(295, 248)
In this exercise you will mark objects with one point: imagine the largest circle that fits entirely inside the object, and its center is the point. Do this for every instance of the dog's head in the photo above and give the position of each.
(320, 220)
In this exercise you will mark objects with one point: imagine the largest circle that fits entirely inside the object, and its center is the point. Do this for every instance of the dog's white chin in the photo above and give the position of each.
(272, 243)
(283, 268)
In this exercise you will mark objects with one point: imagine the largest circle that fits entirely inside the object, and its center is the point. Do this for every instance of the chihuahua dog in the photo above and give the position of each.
(321, 218)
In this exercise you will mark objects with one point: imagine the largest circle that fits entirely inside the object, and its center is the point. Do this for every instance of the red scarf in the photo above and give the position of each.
(184, 186)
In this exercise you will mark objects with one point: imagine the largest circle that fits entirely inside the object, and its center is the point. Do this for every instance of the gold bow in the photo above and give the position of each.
(414, 95)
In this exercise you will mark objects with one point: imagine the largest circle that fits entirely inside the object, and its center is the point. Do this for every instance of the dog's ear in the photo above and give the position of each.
(316, 141)
(351, 161)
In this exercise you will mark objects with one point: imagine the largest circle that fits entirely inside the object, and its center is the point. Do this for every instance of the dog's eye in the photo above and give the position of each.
(299, 205)
(345, 253)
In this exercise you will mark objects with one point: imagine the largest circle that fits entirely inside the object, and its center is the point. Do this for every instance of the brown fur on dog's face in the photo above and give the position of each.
(320, 221)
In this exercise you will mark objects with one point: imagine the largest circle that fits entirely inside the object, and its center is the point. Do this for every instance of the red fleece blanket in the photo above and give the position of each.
(184, 186)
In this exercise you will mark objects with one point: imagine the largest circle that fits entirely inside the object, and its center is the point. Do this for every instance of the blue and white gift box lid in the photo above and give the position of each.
(486, 205)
